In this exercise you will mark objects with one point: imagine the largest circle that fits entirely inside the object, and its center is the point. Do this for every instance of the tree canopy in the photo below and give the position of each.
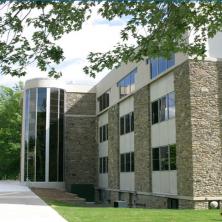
(10, 131)
(158, 28)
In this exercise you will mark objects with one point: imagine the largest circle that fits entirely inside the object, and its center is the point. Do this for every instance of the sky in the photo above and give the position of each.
(97, 35)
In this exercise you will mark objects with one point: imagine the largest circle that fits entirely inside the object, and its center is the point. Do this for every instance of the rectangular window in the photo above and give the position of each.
(163, 109)
(156, 159)
(127, 123)
(171, 104)
(164, 158)
(132, 161)
(122, 163)
(103, 165)
(104, 101)
(172, 157)
(132, 122)
(122, 125)
(155, 112)
(127, 84)
(103, 133)
(100, 165)
(127, 162)
(159, 65)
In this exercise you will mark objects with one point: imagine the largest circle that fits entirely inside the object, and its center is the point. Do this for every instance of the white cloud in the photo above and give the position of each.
(97, 35)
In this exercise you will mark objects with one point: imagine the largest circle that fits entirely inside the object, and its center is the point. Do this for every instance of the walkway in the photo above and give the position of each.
(19, 204)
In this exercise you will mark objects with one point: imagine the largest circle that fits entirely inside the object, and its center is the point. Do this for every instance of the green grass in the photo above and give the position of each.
(95, 214)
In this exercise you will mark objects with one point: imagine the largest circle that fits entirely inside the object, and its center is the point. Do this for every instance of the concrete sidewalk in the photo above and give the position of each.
(19, 204)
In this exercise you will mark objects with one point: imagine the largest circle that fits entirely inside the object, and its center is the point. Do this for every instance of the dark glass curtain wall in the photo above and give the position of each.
(36, 147)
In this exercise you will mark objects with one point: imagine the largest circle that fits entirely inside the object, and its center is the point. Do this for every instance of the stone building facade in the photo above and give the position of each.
(149, 134)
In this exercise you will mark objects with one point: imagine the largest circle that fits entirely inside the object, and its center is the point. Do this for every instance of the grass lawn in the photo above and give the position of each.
(95, 214)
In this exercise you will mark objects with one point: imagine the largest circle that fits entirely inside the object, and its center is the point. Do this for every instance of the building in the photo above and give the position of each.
(148, 133)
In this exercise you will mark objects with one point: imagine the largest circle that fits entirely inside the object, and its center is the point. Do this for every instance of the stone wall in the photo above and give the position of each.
(81, 156)
(142, 138)
(113, 149)
(199, 132)
(183, 131)
(206, 132)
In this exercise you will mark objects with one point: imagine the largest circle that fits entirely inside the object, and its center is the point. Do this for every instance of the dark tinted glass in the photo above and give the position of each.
(122, 131)
(100, 134)
(155, 155)
(164, 158)
(132, 162)
(122, 163)
(155, 112)
(41, 132)
(127, 162)
(100, 165)
(132, 121)
(173, 157)
(127, 123)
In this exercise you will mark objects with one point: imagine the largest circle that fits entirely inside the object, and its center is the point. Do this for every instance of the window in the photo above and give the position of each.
(163, 108)
(103, 133)
(164, 158)
(171, 104)
(127, 84)
(104, 101)
(159, 65)
(173, 157)
(156, 160)
(127, 123)
(103, 165)
(127, 162)
(155, 112)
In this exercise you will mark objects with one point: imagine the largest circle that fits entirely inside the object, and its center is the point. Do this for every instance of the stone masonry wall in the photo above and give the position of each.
(198, 126)
(113, 150)
(142, 138)
(206, 131)
(183, 131)
(81, 156)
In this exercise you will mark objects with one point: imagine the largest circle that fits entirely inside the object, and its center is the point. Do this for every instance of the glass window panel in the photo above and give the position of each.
(171, 61)
(107, 133)
(132, 162)
(107, 165)
(100, 165)
(122, 128)
(100, 134)
(155, 156)
(104, 133)
(132, 80)
(163, 109)
(122, 163)
(61, 129)
(164, 158)
(171, 104)
(127, 162)
(153, 68)
(41, 132)
(162, 65)
(104, 164)
(173, 157)
(127, 123)
(127, 85)
(155, 112)
(132, 121)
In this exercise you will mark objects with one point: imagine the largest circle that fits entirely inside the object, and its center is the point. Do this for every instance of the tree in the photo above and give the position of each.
(10, 131)
(158, 28)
